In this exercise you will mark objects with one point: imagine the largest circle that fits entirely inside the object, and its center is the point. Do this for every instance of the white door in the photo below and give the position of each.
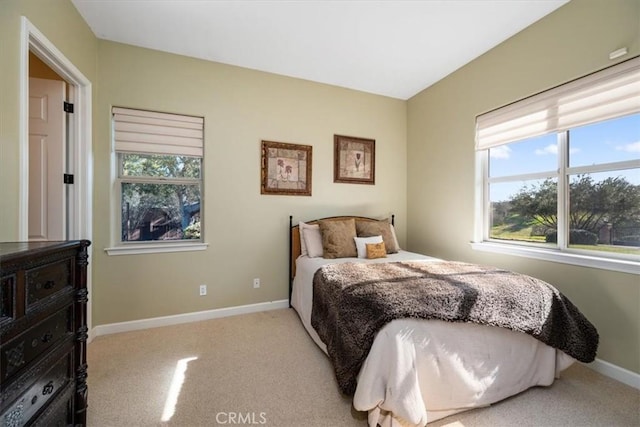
(47, 154)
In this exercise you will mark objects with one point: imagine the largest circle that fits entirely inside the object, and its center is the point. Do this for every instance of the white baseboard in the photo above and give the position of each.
(135, 325)
(616, 372)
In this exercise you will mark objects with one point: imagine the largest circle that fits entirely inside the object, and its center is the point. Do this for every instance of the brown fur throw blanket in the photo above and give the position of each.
(353, 301)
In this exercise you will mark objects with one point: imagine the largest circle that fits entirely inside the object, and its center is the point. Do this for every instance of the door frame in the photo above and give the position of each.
(79, 137)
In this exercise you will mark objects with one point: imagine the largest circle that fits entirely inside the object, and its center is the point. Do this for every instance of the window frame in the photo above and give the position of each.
(609, 93)
(123, 247)
(562, 252)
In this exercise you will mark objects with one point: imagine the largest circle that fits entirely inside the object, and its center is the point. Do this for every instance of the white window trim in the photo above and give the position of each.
(562, 253)
(120, 247)
(538, 115)
(563, 257)
(150, 247)
(154, 248)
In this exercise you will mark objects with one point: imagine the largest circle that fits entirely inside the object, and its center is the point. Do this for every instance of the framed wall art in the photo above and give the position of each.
(354, 160)
(286, 169)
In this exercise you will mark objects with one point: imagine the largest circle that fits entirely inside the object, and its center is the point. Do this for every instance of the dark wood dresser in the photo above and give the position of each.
(43, 333)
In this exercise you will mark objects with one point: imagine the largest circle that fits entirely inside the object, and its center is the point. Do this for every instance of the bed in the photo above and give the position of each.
(421, 368)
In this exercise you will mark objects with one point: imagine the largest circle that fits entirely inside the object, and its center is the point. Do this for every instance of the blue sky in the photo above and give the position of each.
(611, 141)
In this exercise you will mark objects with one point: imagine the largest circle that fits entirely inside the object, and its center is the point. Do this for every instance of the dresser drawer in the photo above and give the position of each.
(60, 411)
(24, 348)
(7, 298)
(46, 280)
(23, 409)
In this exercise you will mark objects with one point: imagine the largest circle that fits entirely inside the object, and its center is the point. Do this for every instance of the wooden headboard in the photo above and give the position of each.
(294, 241)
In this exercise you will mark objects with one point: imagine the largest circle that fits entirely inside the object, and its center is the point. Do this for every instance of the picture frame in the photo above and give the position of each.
(354, 160)
(286, 169)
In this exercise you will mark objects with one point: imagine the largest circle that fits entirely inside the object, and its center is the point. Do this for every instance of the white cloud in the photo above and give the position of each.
(633, 147)
(549, 149)
(500, 152)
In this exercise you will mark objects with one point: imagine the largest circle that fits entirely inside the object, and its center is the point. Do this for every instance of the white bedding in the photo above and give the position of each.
(419, 371)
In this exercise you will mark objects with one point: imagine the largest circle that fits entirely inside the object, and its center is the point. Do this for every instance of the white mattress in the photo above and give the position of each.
(418, 371)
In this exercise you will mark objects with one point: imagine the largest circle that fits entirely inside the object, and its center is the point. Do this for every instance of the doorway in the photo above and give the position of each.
(79, 154)
(78, 138)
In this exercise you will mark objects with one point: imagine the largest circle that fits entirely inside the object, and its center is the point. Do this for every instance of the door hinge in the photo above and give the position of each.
(68, 178)
(68, 107)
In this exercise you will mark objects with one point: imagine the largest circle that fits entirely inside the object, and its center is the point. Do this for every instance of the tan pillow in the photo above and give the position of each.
(376, 250)
(378, 228)
(337, 238)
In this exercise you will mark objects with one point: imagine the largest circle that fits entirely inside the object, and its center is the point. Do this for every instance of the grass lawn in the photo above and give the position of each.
(522, 233)
(511, 232)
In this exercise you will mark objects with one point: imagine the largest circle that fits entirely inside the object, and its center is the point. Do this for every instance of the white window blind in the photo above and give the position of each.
(612, 92)
(139, 131)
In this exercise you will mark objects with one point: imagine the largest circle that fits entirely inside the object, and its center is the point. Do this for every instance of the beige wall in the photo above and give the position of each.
(247, 232)
(59, 21)
(573, 41)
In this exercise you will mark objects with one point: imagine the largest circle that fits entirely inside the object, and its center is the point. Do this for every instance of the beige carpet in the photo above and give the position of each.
(263, 369)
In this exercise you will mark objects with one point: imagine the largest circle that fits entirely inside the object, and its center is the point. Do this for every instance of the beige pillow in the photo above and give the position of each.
(395, 237)
(337, 238)
(310, 240)
(303, 245)
(378, 228)
(376, 250)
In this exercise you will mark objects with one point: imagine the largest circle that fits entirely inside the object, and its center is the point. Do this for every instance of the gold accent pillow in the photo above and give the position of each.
(378, 228)
(337, 238)
(376, 250)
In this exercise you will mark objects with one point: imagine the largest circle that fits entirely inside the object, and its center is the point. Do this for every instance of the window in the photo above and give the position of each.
(559, 172)
(159, 159)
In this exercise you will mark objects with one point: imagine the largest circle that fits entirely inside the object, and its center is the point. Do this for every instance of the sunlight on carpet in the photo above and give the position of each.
(176, 386)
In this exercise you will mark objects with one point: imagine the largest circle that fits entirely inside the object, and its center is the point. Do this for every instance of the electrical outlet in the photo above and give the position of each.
(203, 290)
(256, 283)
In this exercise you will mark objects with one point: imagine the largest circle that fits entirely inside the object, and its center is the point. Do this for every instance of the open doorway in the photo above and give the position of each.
(78, 127)
(78, 157)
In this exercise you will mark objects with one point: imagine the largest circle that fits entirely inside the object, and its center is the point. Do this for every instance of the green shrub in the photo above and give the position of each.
(192, 231)
(539, 230)
(576, 237)
(583, 237)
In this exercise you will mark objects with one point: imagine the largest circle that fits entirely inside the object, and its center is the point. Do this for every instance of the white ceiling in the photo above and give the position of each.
(391, 48)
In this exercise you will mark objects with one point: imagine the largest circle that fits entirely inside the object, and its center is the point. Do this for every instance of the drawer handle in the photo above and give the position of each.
(34, 399)
(47, 389)
(49, 284)
(47, 337)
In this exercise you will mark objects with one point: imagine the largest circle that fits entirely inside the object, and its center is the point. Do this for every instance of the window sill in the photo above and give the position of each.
(619, 265)
(153, 248)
